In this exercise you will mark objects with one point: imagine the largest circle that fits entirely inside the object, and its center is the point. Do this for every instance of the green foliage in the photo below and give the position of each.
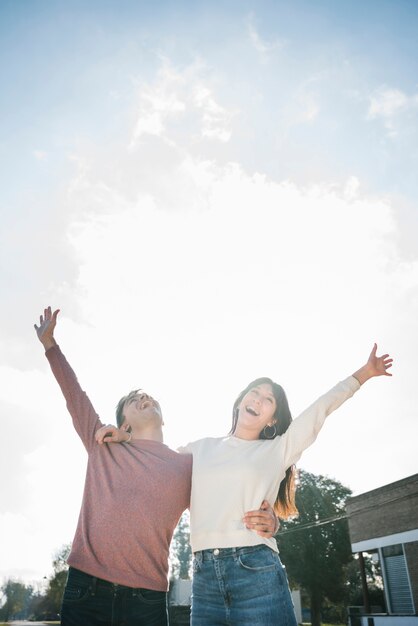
(50, 604)
(60, 558)
(17, 598)
(21, 602)
(315, 553)
(181, 552)
(354, 592)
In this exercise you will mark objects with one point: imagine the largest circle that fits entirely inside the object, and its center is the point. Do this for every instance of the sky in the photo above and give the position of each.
(209, 192)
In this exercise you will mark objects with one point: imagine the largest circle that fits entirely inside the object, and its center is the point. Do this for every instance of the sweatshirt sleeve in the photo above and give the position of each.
(303, 430)
(85, 419)
(187, 449)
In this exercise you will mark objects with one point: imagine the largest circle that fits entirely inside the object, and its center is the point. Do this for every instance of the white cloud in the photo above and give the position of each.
(159, 102)
(389, 104)
(179, 95)
(263, 47)
(216, 120)
(352, 188)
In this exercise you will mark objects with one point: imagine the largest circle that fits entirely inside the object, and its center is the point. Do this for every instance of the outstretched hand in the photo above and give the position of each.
(375, 366)
(379, 365)
(45, 330)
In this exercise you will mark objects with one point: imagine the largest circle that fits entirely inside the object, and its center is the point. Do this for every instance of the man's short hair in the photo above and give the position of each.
(120, 405)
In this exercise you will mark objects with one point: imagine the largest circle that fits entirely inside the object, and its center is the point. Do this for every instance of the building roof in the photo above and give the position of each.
(391, 510)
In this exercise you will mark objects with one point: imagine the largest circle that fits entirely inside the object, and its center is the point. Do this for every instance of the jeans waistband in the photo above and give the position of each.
(81, 577)
(222, 553)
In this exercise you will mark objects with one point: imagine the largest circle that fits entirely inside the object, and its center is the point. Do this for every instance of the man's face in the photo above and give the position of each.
(140, 408)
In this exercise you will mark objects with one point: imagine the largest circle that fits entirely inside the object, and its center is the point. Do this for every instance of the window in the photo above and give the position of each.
(397, 581)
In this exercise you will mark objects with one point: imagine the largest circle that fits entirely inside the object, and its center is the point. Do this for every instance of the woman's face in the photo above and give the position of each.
(257, 408)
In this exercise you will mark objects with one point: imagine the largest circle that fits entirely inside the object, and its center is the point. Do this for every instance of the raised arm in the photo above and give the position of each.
(45, 330)
(303, 431)
(85, 419)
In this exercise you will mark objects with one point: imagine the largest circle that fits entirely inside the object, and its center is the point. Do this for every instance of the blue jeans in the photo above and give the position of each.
(90, 601)
(240, 587)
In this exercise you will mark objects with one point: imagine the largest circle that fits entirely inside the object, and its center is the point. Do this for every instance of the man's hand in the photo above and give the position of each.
(45, 330)
(264, 521)
(111, 434)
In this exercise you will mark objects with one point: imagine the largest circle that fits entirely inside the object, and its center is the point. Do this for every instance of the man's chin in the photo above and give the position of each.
(151, 413)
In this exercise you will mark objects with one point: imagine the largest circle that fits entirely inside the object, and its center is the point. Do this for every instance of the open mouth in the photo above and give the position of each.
(252, 411)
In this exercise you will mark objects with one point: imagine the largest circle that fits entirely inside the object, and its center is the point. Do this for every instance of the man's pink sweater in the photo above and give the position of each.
(134, 495)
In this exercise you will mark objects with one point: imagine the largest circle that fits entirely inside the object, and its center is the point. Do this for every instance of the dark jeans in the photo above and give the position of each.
(90, 601)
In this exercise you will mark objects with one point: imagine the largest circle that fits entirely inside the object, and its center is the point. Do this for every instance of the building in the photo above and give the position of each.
(384, 522)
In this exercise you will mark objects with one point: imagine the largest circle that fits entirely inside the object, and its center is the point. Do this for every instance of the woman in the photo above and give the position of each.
(238, 577)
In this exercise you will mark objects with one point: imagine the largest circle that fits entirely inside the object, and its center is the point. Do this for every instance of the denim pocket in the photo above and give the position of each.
(149, 596)
(257, 561)
(76, 593)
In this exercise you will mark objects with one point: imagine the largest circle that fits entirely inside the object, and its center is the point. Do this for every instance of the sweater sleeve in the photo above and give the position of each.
(85, 419)
(191, 446)
(187, 449)
(303, 431)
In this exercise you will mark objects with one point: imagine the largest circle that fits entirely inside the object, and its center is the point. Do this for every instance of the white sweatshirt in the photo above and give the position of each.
(232, 476)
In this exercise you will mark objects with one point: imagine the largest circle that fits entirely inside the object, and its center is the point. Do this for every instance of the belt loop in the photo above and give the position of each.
(93, 585)
(199, 556)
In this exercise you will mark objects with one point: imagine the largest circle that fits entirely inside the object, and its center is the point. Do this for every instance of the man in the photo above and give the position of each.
(133, 498)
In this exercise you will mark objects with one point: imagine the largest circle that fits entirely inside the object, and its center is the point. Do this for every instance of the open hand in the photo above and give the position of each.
(375, 366)
(45, 330)
(379, 365)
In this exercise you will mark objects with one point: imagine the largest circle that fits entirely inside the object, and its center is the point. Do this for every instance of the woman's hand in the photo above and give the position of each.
(375, 366)
(112, 434)
(263, 521)
(45, 330)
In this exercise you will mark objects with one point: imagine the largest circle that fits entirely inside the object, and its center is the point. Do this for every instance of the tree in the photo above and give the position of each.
(374, 583)
(17, 597)
(315, 547)
(51, 602)
(181, 552)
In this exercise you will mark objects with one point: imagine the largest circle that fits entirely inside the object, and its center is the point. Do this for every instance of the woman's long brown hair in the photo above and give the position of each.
(284, 504)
